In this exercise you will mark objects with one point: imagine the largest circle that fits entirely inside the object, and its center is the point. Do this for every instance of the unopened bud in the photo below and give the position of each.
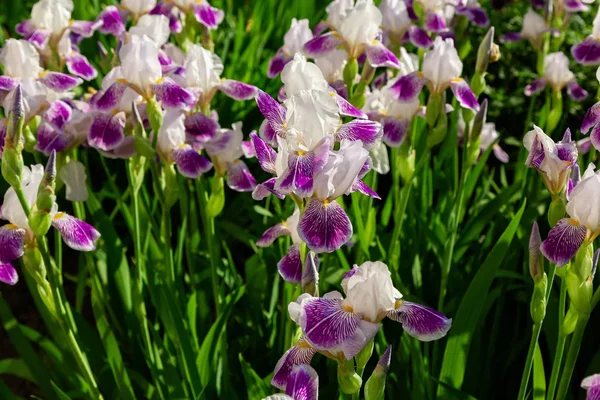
(435, 106)
(570, 321)
(12, 157)
(350, 71)
(16, 111)
(536, 259)
(171, 186)
(155, 115)
(438, 134)
(484, 52)
(40, 219)
(350, 382)
(310, 274)
(580, 292)
(216, 201)
(479, 120)
(537, 307)
(405, 162)
(375, 386)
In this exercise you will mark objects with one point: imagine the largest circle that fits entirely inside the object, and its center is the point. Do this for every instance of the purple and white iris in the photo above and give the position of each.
(16, 234)
(339, 327)
(293, 42)
(588, 51)
(566, 6)
(592, 385)
(534, 28)
(302, 384)
(558, 75)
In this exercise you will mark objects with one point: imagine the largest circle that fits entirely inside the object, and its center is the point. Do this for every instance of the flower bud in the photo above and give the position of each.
(171, 186)
(477, 84)
(363, 356)
(405, 162)
(536, 259)
(12, 157)
(484, 52)
(537, 307)
(580, 292)
(438, 133)
(350, 71)
(310, 274)
(556, 211)
(155, 115)
(40, 219)
(570, 321)
(435, 106)
(349, 381)
(375, 386)
(29, 139)
(479, 120)
(216, 201)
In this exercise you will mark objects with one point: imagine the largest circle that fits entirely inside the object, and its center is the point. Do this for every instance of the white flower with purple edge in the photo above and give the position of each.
(558, 75)
(534, 28)
(592, 385)
(302, 384)
(293, 42)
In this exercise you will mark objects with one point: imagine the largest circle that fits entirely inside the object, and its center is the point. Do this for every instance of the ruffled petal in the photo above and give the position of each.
(563, 241)
(237, 90)
(77, 234)
(423, 323)
(322, 44)
(190, 163)
(324, 227)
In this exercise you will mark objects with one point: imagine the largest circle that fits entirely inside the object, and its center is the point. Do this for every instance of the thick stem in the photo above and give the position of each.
(529, 361)
(565, 379)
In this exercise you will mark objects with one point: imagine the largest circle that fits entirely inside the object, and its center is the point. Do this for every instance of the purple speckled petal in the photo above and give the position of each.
(12, 240)
(347, 109)
(576, 92)
(322, 44)
(419, 37)
(190, 163)
(106, 131)
(587, 52)
(266, 188)
(277, 63)
(112, 23)
(50, 139)
(272, 111)
(7, 83)
(265, 155)
(273, 233)
(535, 87)
(563, 241)
(298, 177)
(290, 266)
(301, 353)
(201, 128)
(591, 118)
(239, 177)
(325, 227)
(369, 132)
(464, 94)
(77, 234)
(8, 274)
(394, 130)
(208, 16)
(408, 87)
(79, 65)
(380, 56)
(303, 383)
(511, 37)
(423, 323)
(59, 81)
(435, 22)
(238, 90)
(57, 114)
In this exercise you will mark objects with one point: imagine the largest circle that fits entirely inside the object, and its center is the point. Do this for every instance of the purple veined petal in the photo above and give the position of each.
(475, 14)
(208, 16)
(573, 6)
(419, 37)
(277, 63)
(591, 118)
(435, 22)
(112, 23)
(172, 95)
(290, 266)
(368, 132)
(323, 44)
(271, 234)
(266, 188)
(301, 353)
(345, 108)
(301, 168)
(324, 226)
(25, 28)
(125, 150)
(237, 90)
(464, 94)
(423, 323)
(380, 56)
(272, 111)
(575, 91)
(266, 133)
(12, 240)
(535, 87)
(563, 241)
(500, 154)
(59, 81)
(587, 52)
(106, 131)
(78, 64)
(303, 383)
(360, 186)
(265, 155)
(536, 154)
(112, 96)
(8, 274)
(394, 130)
(39, 38)
(511, 37)
(57, 114)
(50, 139)
(239, 177)
(84, 28)
(7, 83)
(408, 87)
(164, 60)
(77, 234)
(190, 163)
(595, 137)
(201, 128)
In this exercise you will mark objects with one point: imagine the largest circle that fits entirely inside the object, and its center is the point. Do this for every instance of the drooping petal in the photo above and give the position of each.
(303, 383)
(79, 65)
(7, 83)
(237, 90)
(25, 28)
(591, 118)
(380, 56)
(301, 353)
(408, 87)
(266, 188)
(50, 139)
(290, 266)
(419, 37)
(57, 114)
(394, 130)
(39, 38)
(112, 96)
(111, 21)
(360, 186)
(59, 81)
(324, 226)
(301, 168)
(74, 176)
(535, 87)
(464, 94)
(563, 241)
(435, 22)
(595, 137)
(347, 109)
(511, 37)
(323, 44)
(272, 234)
(239, 177)
(265, 155)
(369, 132)
(272, 111)
(423, 323)
(208, 16)
(190, 163)
(267, 133)
(277, 63)
(475, 14)
(12, 240)
(587, 52)
(576, 92)
(106, 131)
(77, 234)
(8, 274)
(200, 127)
(500, 154)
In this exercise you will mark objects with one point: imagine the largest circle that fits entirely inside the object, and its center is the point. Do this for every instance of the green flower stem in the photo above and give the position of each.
(529, 361)
(565, 379)
(560, 345)
(596, 298)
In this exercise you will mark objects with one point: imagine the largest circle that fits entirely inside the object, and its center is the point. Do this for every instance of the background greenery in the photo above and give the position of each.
(490, 345)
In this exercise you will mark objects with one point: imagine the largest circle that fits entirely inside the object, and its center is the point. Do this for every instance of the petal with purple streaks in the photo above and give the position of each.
(272, 111)
(12, 239)
(59, 81)
(201, 128)
(8, 274)
(300, 353)
(380, 56)
(322, 44)
(423, 323)
(79, 65)
(419, 37)
(303, 383)
(77, 234)
(591, 118)
(190, 163)
(575, 91)
(290, 266)
(7, 83)
(112, 96)
(172, 95)
(464, 94)
(345, 108)
(239, 177)
(106, 131)
(49, 139)
(535, 87)
(408, 87)
(237, 90)
(368, 132)
(435, 22)
(111, 21)
(266, 188)
(265, 155)
(563, 241)
(273, 233)
(277, 63)
(208, 16)
(324, 226)
(394, 130)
